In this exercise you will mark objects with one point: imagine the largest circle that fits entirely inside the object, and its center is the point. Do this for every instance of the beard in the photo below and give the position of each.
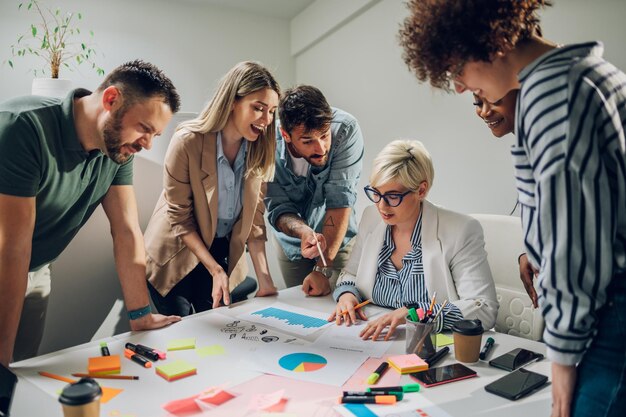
(314, 160)
(113, 138)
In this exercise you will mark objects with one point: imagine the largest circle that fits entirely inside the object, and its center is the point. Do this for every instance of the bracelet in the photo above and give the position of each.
(139, 313)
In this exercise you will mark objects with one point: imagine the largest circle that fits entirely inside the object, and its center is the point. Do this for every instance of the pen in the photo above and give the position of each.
(398, 394)
(137, 358)
(104, 349)
(144, 351)
(105, 376)
(432, 304)
(437, 356)
(366, 302)
(373, 378)
(364, 399)
(440, 310)
(485, 350)
(403, 388)
(319, 248)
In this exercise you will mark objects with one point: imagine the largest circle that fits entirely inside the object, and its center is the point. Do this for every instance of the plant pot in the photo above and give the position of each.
(51, 87)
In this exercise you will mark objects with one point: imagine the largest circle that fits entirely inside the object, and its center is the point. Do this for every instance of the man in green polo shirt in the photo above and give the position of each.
(60, 159)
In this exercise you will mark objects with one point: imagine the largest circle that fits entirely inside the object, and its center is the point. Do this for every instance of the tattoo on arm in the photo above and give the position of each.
(290, 224)
(329, 222)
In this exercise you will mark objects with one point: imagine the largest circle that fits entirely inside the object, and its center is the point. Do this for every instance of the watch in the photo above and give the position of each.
(326, 271)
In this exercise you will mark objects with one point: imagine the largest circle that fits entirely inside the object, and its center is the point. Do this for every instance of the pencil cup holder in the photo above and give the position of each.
(420, 338)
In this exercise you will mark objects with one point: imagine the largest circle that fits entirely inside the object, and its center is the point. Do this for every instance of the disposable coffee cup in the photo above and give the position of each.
(81, 399)
(467, 337)
(420, 338)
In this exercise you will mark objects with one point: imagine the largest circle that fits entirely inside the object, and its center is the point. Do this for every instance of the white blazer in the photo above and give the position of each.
(453, 254)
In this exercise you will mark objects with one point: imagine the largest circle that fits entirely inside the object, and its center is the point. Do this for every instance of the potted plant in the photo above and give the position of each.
(54, 38)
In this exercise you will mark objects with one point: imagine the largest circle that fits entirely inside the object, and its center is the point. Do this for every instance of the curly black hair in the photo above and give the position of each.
(439, 36)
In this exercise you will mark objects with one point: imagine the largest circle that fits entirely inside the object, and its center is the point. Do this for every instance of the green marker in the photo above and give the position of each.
(392, 390)
(413, 314)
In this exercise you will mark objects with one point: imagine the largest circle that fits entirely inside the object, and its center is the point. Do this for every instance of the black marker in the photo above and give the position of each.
(437, 356)
(143, 351)
(374, 392)
(486, 348)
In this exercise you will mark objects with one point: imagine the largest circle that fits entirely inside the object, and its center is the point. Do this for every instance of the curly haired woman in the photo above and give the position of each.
(570, 163)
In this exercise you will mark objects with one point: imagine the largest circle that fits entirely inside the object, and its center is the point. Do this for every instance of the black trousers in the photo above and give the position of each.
(192, 294)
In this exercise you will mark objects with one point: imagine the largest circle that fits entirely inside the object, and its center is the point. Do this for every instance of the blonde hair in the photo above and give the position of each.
(244, 78)
(404, 161)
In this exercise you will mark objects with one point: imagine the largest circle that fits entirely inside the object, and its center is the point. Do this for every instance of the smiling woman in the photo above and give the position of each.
(500, 115)
(212, 203)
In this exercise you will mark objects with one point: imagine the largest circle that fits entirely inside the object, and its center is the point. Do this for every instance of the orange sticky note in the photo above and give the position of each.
(104, 365)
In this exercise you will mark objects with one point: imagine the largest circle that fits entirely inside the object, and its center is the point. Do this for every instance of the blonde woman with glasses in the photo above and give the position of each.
(212, 203)
(407, 249)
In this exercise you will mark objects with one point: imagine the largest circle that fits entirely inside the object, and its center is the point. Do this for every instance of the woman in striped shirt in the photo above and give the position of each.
(407, 249)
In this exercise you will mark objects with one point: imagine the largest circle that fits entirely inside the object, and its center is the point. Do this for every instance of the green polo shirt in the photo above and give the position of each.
(41, 157)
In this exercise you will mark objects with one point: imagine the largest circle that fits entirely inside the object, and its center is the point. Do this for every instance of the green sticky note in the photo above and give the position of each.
(175, 370)
(210, 350)
(444, 340)
(182, 344)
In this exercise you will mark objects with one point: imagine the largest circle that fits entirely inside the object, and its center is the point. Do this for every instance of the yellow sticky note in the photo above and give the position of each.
(443, 340)
(176, 370)
(182, 344)
(210, 350)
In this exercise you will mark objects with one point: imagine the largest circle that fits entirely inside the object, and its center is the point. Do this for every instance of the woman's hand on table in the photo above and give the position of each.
(392, 320)
(347, 301)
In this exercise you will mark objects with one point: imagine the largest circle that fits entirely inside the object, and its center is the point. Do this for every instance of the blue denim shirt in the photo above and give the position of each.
(331, 186)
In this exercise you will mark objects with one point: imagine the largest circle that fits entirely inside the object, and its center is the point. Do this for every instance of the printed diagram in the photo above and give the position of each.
(250, 332)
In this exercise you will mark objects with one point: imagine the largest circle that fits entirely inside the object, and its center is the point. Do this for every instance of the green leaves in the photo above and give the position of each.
(54, 38)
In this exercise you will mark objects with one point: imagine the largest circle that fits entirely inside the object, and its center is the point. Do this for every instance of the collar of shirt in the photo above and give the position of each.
(567, 51)
(240, 159)
(416, 241)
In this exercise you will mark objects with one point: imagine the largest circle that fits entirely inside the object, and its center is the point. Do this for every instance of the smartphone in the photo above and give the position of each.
(517, 384)
(515, 359)
(443, 374)
(8, 380)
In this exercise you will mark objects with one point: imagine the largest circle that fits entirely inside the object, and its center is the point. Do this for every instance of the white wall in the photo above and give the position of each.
(194, 45)
(359, 68)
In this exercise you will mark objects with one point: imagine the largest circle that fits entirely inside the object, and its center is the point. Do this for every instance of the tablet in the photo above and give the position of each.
(443, 374)
(517, 384)
(515, 359)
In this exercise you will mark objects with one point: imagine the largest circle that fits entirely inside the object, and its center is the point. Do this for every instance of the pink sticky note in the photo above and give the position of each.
(263, 401)
(358, 381)
(183, 406)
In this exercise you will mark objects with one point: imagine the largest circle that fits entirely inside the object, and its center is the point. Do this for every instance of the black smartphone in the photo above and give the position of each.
(7, 388)
(516, 358)
(443, 374)
(517, 384)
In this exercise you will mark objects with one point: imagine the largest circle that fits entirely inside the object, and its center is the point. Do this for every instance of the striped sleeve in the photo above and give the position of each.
(574, 223)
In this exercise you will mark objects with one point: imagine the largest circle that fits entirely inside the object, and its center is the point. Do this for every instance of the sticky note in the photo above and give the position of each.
(104, 365)
(406, 364)
(176, 370)
(210, 350)
(182, 344)
(443, 340)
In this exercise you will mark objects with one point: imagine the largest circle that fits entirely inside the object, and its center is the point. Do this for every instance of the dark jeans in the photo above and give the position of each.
(601, 381)
(193, 292)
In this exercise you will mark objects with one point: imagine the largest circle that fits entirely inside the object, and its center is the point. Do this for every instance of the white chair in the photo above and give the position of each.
(504, 243)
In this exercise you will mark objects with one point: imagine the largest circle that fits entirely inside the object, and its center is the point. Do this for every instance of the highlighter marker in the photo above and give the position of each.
(413, 314)
(398, 394)
(143, 351)
(104, 349)
(485, 351)
(437, 356)
(364, 399)
(400, 388)
(373, 378)
(137, 358)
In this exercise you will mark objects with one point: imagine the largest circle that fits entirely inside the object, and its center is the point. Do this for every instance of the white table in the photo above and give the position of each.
(464, 398)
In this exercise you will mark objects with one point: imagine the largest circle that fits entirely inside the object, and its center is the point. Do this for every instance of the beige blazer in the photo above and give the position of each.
(453, 255)
(189, 203)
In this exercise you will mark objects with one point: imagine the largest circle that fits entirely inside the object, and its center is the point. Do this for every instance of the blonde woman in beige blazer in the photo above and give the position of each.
(196, 238)
(407, 249)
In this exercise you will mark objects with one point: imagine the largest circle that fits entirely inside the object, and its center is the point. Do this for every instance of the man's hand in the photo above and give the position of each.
(266, 290)
(153, 321)
(220, 288)
(526, 274)
(308, 244)
(347, 302)
(316, 284)
(393, 320)
(563, 383)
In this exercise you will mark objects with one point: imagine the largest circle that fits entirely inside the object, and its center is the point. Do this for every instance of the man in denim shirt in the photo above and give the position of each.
(319, 157)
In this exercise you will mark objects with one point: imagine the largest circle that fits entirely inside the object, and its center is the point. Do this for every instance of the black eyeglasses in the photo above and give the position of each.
(392, 199)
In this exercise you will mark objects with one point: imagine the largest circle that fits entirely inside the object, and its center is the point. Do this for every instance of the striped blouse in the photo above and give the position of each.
(571, 180)
(406, 287)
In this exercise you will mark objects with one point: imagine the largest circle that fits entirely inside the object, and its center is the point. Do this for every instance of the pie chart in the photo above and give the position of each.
(302, 362)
